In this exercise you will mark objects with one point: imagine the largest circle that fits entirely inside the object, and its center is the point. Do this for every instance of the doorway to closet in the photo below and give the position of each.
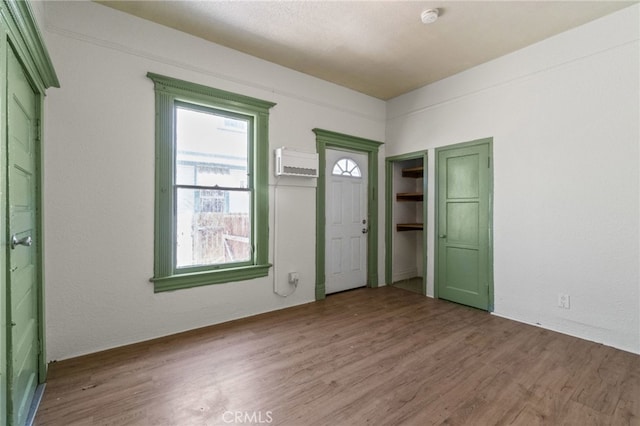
(406, 216)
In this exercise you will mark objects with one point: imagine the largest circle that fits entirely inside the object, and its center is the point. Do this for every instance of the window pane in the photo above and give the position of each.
(346, 167)
(211, 149)
(213, 227)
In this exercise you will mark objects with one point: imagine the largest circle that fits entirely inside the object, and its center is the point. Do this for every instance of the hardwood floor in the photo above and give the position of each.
(411, 284)
(369, 356)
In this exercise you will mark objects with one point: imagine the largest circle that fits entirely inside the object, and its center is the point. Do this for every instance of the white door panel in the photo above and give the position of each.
(347, 221)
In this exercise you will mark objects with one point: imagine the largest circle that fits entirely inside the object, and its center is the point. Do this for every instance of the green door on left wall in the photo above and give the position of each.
(26, 72)
(22, 283)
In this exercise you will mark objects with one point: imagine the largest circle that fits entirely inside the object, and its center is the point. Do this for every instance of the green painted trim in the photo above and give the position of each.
(42, 357)
(22, 35)
(4, 299)
(25, 29)
(489, 142)
(192, 92)
(261, 182)
(388, 207)
(408, 156)
(425, 221)
(388, 221)
(169, 91)
(326, 139)
(321, 194)
(474, 142)
(340, 140)
(176, 282)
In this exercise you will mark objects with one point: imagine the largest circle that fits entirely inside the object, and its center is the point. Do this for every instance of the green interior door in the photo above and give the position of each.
(23, 240)
(463, 240)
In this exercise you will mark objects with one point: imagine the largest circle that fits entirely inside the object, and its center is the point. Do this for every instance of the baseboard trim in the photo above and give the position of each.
(35, 404)
(565, 333)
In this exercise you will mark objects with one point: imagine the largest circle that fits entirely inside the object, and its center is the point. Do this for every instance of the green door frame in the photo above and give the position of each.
(20, 31)
(484, 141)
(389, 163)
(326, 139)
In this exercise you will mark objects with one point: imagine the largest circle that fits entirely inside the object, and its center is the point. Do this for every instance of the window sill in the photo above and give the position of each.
(177, 282)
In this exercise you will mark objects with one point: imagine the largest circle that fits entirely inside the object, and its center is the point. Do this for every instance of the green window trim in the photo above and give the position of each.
(243, 273)
(168, 92)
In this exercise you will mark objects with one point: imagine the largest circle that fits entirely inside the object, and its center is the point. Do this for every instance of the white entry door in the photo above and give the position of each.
(347, 221)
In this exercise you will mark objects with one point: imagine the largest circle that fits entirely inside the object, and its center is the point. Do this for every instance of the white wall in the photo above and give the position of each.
(99, 171)
(37, 7)
(564, 117)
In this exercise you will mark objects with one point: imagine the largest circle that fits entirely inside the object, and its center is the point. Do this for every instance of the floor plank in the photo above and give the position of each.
(364, 357)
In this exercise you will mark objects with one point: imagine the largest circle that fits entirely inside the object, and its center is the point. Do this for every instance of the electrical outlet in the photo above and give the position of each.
(294, 278)
(564, 301)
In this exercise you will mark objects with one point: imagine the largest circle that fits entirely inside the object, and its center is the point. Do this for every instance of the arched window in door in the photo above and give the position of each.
(346, 167)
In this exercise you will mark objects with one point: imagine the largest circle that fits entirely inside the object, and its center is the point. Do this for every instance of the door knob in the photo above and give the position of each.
(365, 230)
(443, 236)
(26, 241)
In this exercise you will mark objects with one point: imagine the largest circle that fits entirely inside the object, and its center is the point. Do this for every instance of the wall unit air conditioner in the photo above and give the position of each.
(290, 162)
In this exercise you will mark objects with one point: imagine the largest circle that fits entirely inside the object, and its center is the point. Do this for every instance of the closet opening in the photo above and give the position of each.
(406, 216)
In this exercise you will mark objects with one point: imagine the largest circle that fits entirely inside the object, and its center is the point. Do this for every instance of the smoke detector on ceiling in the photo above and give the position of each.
(430, 16)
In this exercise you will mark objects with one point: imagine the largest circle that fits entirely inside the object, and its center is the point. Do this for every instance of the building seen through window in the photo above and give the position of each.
(213, 223)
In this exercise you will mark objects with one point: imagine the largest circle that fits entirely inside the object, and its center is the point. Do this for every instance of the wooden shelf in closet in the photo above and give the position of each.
(409, 196)
(416, 173)
(413, 172)
(409, 227)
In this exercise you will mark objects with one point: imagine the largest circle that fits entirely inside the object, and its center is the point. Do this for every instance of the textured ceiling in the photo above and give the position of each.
(380, 48)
